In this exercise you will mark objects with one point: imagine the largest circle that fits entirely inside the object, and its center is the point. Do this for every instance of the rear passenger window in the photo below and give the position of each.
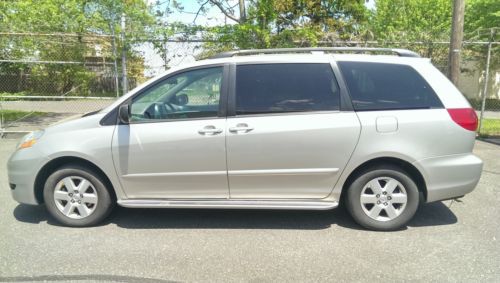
(278, 88)
(379, 86)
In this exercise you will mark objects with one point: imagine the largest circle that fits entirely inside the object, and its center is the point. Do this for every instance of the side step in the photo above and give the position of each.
(229, 204)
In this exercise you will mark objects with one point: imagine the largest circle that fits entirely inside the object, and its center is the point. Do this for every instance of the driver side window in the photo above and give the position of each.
(192, 94)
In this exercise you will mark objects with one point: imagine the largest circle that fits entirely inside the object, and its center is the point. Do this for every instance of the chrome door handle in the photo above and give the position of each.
(240, 128)
(209, 130)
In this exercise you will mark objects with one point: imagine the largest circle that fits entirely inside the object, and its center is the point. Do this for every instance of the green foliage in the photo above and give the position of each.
(428, 21)
(411, 20)
(481, 15)
(289, 23)
(42, 16)
(80, 17)
(267, 24)
(490, 127)
(75, 16)
(408, 21)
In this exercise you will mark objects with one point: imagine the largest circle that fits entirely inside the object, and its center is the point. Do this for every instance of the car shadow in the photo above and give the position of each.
(433, 214)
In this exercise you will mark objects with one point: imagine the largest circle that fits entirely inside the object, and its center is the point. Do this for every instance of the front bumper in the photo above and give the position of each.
(22, 168)
(450, 176)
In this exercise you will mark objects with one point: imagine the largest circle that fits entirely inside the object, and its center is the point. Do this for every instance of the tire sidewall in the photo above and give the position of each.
(354, 206)
(104, 203)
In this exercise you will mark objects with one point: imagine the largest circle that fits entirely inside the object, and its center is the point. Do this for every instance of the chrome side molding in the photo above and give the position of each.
(229, 204)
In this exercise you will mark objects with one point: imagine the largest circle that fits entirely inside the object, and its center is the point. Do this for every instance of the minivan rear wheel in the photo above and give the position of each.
(76, 196)
(382, 198)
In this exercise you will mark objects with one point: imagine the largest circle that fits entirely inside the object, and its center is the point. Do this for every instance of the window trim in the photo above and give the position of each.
(345, 97)
(344, 102)
(221, 113)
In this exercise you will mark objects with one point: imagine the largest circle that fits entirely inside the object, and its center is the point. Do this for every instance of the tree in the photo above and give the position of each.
(79, 17)
(482, 22)
(228, 10)
(481, 15)
(408, 21)
(287, 23)
(411, 20)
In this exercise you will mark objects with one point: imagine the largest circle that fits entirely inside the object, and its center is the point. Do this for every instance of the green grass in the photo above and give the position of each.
(490, 127)
(13, 115)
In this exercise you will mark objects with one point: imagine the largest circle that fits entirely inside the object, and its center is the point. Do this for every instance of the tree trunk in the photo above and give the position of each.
(243, 16)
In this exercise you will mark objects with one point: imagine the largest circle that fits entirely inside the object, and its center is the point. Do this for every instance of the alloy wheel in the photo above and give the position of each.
(75, 197)
(383, 198)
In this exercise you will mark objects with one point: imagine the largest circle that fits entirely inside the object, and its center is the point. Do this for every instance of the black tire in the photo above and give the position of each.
(354, 206)
(105, 201)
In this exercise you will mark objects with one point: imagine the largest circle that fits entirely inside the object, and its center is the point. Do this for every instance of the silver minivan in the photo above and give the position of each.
(263, 129)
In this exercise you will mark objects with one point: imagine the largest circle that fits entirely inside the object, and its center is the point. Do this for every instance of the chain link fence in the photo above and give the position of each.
(47, 77)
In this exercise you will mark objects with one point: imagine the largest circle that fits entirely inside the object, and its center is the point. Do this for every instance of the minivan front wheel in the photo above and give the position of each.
(382, 198)
(76, 196)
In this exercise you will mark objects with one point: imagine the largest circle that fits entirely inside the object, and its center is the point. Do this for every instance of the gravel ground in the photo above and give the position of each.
(445, 242)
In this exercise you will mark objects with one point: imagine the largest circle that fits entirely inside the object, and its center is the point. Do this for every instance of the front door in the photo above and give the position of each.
(287, 138)
(174, 146)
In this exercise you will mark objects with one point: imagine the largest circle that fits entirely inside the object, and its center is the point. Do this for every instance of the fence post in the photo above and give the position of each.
(1, 120)
(115, 64)
(124, 57)
(486, 79)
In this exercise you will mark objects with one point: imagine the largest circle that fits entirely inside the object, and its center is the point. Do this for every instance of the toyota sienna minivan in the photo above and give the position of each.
(263, 129)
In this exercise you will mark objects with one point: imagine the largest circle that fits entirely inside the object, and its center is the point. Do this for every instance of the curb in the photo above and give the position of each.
(492, 140)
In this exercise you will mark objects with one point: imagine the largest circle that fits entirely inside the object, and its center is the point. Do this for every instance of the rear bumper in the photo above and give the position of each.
(450, 176)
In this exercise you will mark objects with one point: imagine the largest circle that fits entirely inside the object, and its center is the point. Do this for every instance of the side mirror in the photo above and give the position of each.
(124, 113)
(181, 99)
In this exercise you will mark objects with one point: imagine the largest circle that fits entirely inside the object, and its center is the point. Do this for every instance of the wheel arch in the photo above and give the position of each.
(409, 168)
(54, 164)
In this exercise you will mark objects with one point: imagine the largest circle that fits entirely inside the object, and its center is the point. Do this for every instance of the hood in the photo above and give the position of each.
(77, 122)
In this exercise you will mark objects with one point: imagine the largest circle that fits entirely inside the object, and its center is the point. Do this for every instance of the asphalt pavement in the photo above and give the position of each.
(445, 242)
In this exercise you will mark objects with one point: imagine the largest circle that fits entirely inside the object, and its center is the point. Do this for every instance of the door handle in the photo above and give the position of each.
(209, 130)
(242, 127)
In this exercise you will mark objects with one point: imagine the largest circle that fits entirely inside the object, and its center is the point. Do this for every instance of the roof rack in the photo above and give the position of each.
(399, 52)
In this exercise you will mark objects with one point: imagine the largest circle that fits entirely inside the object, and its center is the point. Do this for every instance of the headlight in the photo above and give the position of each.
(30, 139)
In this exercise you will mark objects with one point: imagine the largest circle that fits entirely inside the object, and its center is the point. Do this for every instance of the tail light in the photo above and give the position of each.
(464, 117)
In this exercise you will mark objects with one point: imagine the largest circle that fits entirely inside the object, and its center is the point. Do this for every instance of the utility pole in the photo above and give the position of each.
(486, 80)
(124, 57)
(457, 34)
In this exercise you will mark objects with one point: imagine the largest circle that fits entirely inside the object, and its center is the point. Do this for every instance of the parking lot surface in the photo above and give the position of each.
(445, 242)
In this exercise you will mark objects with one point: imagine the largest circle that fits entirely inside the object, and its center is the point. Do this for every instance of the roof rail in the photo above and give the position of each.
(399, 52)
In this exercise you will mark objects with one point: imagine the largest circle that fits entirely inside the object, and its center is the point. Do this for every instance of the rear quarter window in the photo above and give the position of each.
(381, 86)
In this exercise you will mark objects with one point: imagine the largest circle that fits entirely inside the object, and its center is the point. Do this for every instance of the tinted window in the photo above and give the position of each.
(378, 86)
(193, 94)
(274, 88)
